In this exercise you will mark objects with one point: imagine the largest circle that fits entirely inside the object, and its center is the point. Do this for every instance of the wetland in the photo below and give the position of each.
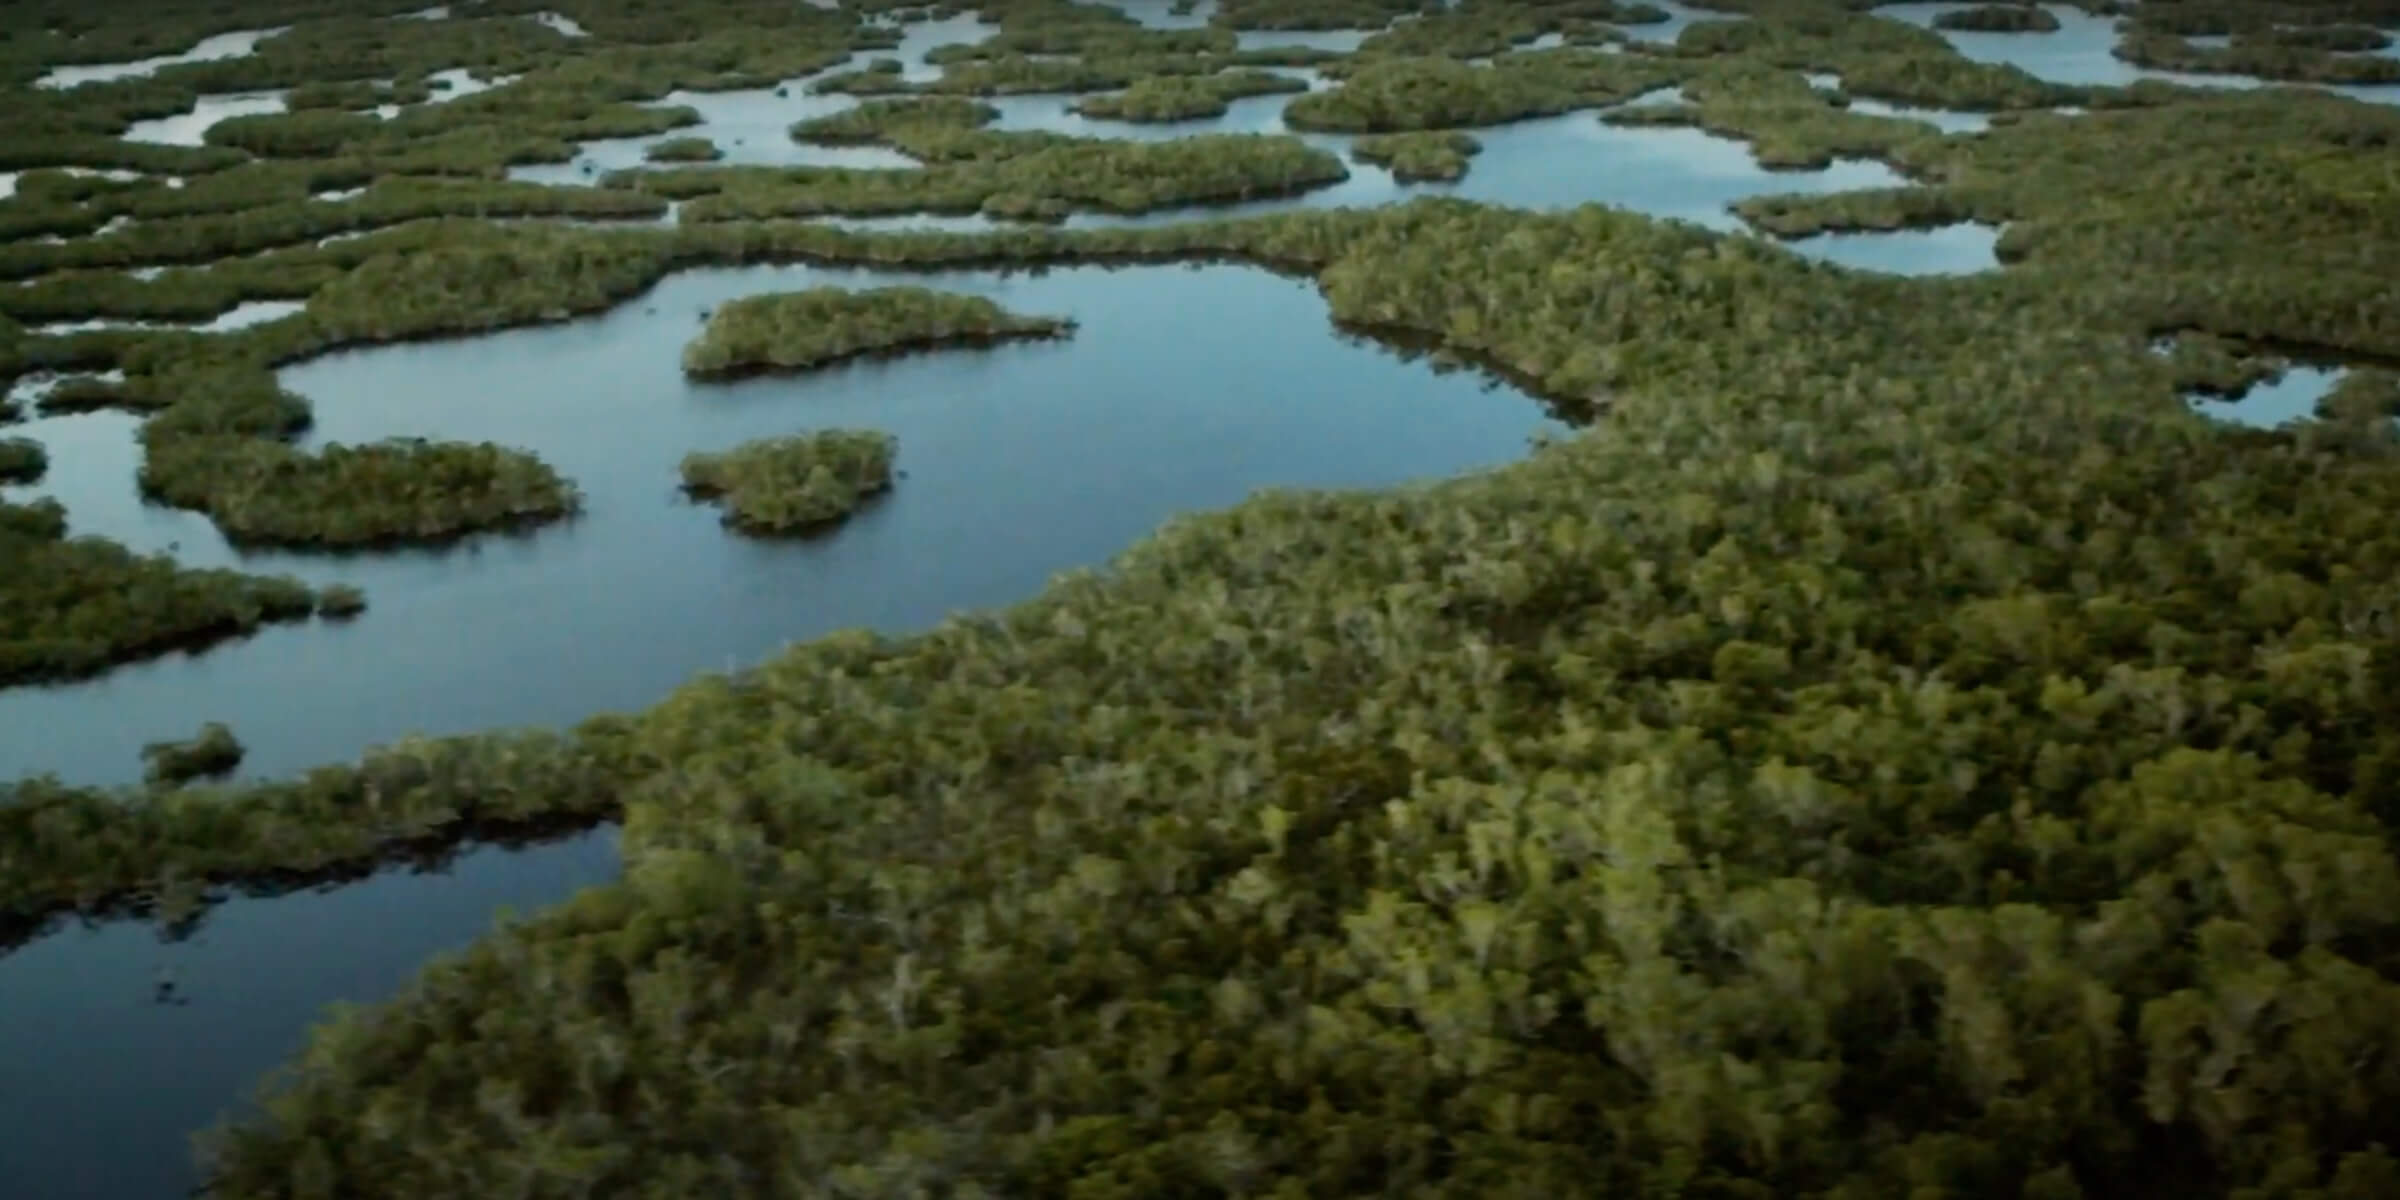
(1776, 600)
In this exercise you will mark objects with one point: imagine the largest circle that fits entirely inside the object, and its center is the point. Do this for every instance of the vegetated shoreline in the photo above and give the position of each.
(800, 486)
(965, 340)
(1869, 767)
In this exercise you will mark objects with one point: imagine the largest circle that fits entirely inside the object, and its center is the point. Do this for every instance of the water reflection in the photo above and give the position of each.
(108, 1074)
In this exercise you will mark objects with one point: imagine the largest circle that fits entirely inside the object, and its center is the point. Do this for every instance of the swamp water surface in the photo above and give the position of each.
(1019, 462)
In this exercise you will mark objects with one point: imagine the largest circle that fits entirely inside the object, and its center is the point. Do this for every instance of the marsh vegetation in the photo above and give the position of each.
(22, 460)
(1904, 753)
(683, 149)
(1186, 97)
(793, 485)
(1378, 95)
(798, 331)
(212, 751)
(1422, 154)
(74, 607)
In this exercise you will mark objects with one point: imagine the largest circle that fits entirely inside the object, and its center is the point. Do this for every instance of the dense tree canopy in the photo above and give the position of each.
(1900, 751)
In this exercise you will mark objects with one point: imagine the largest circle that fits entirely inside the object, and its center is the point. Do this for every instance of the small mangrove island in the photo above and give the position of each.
(22, 460)
(805, 330)
(212, 751)
(793, 485)
(1431, 154)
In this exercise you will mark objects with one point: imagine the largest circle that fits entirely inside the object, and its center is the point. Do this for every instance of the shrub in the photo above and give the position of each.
(795, 484)
(213, 751)
(820, 326)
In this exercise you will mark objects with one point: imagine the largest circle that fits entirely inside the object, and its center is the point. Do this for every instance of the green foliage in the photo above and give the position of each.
(213, 751)
(22, 460)
(2269, 58)
(73, 607)
(1998, 18)
(340, 601)
(2342, 39)
(804, 330)
(799, 484)
(1788, 124)
(1903, 754)
(1395, 94)
(263, 492)
(971, 168)
(1186, 97)
(684, 149)
(878, 120)
(1316, 14)
(1429, 154)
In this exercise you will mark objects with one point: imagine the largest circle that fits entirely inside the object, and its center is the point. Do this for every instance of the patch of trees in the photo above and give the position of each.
(683, 150)
(986, 169)
(1998, 18)
(1788, 124)
(212, 751)
(1186, 97)
(1439, 154)
(2263, 57)
(1379, 95)
(793, 485)
(804, 330)
(22, 460)
(73, 607)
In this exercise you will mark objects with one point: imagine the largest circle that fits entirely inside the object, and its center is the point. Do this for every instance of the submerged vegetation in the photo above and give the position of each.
(789, 485)
(798, 331)
(1904, 753)
(213, 751)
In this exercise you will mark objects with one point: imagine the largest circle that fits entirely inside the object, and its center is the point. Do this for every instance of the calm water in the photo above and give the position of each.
(1019, 462)
(2291, 398)
(104, 1084)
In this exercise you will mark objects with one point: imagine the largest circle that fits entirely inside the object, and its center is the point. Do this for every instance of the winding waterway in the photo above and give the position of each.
(1019, 462)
